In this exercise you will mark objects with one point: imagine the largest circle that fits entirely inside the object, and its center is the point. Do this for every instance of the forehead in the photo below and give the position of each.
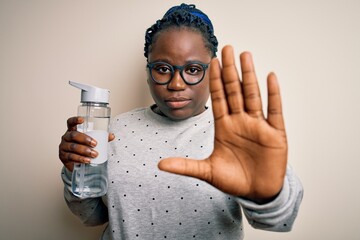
(179, 45)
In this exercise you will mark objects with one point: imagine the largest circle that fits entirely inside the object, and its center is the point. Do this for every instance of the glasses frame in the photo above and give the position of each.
(150, 66)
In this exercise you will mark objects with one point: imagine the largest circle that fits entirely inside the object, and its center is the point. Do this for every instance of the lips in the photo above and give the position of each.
(177, 102)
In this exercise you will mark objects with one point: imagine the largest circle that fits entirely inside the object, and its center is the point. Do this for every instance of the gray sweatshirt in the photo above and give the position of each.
(143, 202)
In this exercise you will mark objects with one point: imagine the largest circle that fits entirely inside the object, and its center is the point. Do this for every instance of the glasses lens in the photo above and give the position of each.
(161, 72)
(193, 73)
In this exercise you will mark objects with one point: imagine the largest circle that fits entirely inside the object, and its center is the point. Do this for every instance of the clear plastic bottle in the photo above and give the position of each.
(90, 180)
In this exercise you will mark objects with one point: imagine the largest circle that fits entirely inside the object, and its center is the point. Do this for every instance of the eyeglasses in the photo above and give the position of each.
(192, 73)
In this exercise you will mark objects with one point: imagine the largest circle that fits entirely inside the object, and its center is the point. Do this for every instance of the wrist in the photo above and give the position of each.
(262, 200)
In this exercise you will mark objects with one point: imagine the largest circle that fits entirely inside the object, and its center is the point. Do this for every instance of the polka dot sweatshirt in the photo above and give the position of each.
(143, 202)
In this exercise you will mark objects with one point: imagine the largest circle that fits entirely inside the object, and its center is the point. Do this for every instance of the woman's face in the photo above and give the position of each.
(177, 100)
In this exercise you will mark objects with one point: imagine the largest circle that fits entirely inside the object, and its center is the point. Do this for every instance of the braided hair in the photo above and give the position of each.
(183, 16)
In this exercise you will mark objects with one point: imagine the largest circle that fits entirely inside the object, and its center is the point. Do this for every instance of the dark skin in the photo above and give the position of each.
(250, 151)
(177, 100)
(77, 147)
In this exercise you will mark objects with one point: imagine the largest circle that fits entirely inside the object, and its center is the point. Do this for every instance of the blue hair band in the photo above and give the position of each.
(193, 11)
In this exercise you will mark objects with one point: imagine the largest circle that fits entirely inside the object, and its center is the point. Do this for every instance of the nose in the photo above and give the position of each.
(177, 83)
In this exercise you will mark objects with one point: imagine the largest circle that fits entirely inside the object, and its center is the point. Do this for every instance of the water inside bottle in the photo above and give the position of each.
(89, 180)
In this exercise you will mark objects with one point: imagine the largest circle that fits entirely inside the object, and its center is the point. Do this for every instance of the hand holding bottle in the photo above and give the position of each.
(77, 147)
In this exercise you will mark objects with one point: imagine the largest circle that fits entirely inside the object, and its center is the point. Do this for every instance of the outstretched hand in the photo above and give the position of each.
(250, 151)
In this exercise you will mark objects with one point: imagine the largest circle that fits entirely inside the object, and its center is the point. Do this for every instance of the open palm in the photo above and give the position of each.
(250, 151)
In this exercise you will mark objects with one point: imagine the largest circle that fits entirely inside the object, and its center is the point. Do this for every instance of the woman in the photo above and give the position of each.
(244, 154)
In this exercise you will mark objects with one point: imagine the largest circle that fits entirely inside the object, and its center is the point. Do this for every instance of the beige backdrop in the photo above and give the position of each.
(314, 46)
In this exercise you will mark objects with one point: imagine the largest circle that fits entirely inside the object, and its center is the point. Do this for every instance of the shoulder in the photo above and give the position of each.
(137, 118)
(129, 114)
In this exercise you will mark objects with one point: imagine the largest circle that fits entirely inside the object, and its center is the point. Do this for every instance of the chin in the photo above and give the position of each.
(179, 114)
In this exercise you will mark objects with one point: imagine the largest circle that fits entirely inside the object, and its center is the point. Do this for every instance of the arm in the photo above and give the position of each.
(91, 211)
(78, 147)
(279, 214)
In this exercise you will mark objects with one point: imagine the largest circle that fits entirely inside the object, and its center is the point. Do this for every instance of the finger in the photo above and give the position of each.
(200, 169)
(78, 137)
(67, 157)
(78, 149)
(250, 86)
(218, 99)
(69, 166)
(73, 122)
(231, 81)
(275, 116)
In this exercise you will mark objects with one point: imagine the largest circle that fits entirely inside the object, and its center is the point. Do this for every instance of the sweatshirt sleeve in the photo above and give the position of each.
(278, 215)
(91, 211)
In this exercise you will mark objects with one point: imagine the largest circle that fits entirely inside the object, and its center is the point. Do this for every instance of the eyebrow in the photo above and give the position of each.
(187, 62)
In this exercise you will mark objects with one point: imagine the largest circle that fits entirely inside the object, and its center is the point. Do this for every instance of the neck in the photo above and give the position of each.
(157, 110)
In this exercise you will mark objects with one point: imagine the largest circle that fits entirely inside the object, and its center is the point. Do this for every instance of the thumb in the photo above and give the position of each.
(200, 169)
(111, 137)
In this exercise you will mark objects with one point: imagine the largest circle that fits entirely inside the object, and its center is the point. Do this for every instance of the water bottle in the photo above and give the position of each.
(90, 180)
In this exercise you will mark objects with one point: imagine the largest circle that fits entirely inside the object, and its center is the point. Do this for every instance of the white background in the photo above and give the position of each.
(313, 46)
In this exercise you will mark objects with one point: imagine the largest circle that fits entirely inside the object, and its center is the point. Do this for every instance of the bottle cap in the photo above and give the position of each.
(91, 93)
